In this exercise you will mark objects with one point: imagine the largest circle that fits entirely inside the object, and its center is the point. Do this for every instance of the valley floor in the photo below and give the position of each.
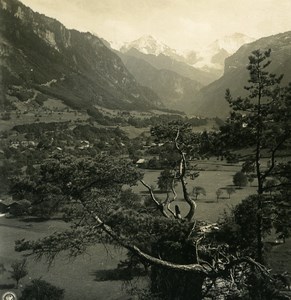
(77, 277)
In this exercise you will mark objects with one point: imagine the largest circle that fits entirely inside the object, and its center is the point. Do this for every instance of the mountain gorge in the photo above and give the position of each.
(40, 54)
(160, 68)
(176, 91)
(210, 99)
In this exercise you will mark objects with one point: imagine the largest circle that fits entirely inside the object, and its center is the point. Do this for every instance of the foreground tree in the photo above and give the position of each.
(165, 180)
(64, 181)
(261, 120)
(181, 254)
(239, 228)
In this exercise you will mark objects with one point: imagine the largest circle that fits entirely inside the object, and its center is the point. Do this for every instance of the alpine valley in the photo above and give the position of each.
(42, 59)
(122, 173)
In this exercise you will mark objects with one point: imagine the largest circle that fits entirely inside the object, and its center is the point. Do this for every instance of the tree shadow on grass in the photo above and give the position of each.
(8, 286)
(34, 219)
(154, 191)
(123, 274)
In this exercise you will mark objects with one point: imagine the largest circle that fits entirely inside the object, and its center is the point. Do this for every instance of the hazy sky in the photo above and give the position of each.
(182, 24)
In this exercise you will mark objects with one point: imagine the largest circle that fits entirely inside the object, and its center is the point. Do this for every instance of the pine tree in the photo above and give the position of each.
(260, 120)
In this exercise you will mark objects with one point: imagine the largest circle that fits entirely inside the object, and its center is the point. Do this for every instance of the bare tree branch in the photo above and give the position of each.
(195, 268)
(146, 257)
(168, 201)
(159, 205)
(182, 172)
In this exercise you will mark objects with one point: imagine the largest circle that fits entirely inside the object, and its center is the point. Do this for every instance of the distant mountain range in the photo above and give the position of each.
(209, 59)
(210, 100)
(175, 76)
(162, 61)
(40, 57)
(149, 45)
(39, 53)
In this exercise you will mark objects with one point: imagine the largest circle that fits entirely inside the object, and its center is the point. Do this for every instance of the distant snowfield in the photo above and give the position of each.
(230, 44)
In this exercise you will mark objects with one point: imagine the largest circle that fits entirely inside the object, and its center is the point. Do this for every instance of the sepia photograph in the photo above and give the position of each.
(145, 150)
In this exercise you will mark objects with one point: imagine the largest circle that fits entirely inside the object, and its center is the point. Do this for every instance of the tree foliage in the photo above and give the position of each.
(230, 190)
(261, 120)
(166, 180)
(240, 226)
(240, 179)
(66, 179)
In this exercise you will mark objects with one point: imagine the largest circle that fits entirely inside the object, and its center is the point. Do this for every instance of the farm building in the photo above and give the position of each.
(13, 207)
(5, 204)
(141, 162)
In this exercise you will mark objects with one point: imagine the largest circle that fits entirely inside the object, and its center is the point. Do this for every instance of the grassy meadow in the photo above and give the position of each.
(214, 175)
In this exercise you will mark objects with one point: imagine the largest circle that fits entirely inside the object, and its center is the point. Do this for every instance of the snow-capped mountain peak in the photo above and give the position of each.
(213, 55)
(231, 43)
(147, 44)
(209, 58)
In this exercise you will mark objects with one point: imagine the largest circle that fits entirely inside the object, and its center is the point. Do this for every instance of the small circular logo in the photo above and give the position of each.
(9, 296)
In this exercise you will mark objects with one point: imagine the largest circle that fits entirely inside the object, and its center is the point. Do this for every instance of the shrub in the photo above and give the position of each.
(41, 290)
(240, 179)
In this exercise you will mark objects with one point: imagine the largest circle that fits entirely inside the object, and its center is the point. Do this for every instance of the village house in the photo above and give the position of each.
(140, 162)
(12, 207)
(6, 204)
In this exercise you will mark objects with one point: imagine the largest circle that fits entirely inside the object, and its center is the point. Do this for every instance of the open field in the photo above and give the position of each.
(133, 132)
(44, 116)
(216, 175)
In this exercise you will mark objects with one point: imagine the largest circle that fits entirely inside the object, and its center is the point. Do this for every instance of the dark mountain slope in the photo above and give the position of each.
(211, 100)
(39, 52)
(165, 62)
